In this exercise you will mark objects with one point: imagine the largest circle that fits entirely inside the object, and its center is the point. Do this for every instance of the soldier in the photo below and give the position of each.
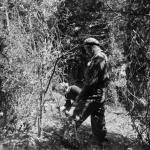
(90, 100)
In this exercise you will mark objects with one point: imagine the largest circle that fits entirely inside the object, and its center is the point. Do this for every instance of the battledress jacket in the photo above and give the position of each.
(96, 76)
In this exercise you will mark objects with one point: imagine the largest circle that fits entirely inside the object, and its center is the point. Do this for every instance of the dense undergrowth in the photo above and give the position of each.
(41, 45)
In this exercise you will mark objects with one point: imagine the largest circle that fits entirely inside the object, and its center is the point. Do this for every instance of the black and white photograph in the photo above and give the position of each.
(74, 74)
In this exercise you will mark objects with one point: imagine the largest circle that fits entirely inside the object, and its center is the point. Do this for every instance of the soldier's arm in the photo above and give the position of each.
(95, 72)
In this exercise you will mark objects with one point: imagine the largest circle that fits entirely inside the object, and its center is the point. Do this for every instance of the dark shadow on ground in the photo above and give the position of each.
(115, 141)
(52, 140)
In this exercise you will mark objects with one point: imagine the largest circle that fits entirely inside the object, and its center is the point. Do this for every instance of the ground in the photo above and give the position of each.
(120, 132)
(121, 135)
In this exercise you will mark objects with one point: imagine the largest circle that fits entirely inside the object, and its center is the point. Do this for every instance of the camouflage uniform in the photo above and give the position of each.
(90, 101)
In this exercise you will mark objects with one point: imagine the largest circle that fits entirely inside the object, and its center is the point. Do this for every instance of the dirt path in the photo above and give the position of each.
(118, 124)
(120, 133)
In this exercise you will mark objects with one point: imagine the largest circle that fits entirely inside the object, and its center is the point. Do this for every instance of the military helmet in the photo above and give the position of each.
(91, 41)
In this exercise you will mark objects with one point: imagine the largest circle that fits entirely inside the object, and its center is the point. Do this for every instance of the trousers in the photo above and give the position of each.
(92, 106)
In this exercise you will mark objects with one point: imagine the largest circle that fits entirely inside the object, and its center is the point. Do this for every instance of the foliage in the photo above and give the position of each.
(32, 50)
(78, 20)
(137, 51)
(41, 43)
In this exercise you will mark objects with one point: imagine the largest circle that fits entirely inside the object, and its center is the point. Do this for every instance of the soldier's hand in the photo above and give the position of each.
(70, 112)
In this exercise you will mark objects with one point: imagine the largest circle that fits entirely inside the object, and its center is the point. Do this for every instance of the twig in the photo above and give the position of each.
(7, 18)
(54, 69)
(57, 60)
